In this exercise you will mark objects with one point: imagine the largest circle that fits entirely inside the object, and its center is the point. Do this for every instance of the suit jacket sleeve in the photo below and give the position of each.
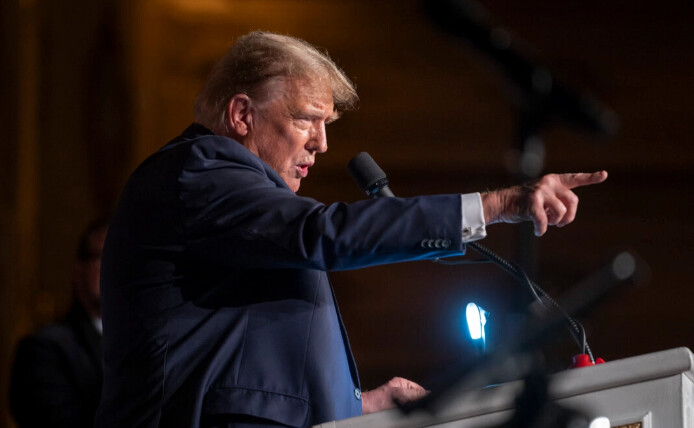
(237, 208)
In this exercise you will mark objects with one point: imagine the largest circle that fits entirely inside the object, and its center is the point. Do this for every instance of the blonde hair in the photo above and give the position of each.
(259, 56)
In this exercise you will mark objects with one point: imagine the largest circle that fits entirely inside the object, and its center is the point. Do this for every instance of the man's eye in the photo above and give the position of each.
(303, 121)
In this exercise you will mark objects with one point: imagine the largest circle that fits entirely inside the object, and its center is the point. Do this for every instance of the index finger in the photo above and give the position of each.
(582, 178)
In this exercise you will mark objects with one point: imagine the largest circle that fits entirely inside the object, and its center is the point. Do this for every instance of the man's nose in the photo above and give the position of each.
(319, 139)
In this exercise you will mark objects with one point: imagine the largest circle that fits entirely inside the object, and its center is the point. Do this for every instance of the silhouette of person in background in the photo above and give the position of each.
(57, 373)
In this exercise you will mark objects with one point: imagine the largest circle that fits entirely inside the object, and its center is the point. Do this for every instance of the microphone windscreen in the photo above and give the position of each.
(365, 171)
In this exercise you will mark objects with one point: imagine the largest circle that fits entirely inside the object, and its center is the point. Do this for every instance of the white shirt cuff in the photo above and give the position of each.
(473, 225)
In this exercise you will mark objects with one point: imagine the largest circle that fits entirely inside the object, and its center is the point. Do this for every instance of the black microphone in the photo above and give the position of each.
(369, 176)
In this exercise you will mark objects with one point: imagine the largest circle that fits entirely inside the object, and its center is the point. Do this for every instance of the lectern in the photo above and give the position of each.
(649, 391)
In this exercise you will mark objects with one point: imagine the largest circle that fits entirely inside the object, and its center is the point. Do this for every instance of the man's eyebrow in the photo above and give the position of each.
(313, 114)
(304, 111)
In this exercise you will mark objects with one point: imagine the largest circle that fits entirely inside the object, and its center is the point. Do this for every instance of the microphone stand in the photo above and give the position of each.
(519, 358)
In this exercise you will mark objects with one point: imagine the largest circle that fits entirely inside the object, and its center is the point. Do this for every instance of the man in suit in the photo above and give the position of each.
(217, 307)
(57, 375)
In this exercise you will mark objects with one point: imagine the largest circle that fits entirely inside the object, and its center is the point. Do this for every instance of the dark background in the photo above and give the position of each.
(91, 88)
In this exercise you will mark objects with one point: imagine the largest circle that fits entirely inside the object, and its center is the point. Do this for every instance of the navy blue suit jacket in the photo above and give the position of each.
(215, 293)
(56, 375)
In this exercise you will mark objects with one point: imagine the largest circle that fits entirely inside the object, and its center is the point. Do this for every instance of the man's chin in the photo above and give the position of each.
(294, 184)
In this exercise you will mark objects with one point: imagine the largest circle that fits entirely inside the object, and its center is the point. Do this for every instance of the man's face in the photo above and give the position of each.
(288, 128)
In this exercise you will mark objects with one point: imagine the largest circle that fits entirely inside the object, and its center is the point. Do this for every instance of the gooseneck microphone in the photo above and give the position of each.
(369, 176)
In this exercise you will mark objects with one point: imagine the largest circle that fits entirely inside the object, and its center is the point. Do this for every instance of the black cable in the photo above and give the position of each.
(575, 328)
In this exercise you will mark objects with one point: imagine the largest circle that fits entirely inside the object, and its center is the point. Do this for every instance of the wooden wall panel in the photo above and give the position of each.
(61, 164)
(19, 200)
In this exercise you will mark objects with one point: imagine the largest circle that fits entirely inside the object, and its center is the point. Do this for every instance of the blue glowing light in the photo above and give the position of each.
(476, 319)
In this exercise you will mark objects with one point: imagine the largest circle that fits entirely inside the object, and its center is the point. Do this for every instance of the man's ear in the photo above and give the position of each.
(239, 115)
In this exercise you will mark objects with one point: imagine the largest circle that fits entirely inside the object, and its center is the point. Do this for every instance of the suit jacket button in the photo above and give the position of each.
(357, 393)
(446, 243)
